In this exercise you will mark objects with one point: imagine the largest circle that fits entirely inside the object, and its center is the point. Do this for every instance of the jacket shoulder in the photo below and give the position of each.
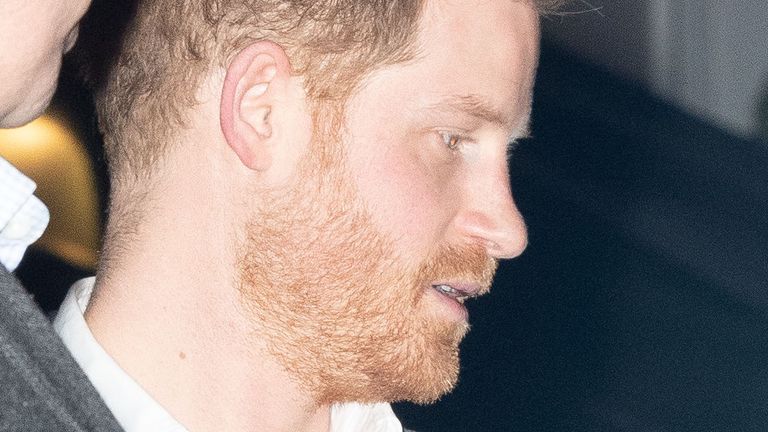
(43, 387)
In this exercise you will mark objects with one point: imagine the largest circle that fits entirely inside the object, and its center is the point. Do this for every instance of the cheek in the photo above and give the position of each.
(43, 82)
(25, 96)
(40, 64)
(409, 202)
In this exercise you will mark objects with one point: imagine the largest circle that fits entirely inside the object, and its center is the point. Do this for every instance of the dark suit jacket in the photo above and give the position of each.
(41, 386)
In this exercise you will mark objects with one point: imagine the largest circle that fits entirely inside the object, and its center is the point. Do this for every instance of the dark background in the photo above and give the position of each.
(639, 304)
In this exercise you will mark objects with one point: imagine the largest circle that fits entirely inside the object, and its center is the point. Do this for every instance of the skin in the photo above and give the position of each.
(436, 198)
(414, 192)
(35, 36)
(340, 308)
(435, 195)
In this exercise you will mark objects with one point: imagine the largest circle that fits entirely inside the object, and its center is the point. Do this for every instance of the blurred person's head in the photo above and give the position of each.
(343, 163)
(34, 35)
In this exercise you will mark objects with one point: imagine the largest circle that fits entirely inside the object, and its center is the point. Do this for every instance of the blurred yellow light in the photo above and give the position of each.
(50, 153)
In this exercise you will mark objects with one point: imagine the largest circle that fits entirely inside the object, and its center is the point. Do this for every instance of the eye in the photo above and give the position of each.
(452, 141)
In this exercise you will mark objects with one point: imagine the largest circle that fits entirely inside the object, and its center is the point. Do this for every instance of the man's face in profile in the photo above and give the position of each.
(357, 274)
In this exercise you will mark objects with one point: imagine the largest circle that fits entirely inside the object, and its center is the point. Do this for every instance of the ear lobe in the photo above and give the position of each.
(250, 93)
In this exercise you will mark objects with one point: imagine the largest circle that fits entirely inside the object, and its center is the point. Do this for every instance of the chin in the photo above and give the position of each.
(27, 112)
(421, 371)
(435, 374)
(32, 102)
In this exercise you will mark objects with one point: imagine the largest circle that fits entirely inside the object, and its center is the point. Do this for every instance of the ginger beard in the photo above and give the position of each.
(338, 307)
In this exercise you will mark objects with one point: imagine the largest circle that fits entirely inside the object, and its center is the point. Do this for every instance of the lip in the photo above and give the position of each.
(468, 289)
(447, 306)
(454, 305)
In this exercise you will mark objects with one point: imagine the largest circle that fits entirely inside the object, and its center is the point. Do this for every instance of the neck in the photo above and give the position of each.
(171, 291)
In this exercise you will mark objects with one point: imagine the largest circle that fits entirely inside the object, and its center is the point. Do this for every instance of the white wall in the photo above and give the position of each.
(707, 56)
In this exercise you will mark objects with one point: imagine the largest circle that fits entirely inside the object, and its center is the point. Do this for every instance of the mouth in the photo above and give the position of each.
(452, 295)
(459, 294)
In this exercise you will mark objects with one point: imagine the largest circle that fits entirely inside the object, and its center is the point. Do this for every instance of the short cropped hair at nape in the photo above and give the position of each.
(171, 45)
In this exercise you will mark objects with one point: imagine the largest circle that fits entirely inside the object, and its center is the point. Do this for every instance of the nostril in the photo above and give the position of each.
(485, 243)
(503, 235)
(508, 244)
(492, 245)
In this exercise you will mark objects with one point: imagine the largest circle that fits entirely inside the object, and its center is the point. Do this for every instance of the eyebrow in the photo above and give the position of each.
(475, 106)
(479, 107)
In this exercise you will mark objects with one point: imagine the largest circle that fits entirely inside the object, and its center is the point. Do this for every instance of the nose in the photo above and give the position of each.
(493, 221)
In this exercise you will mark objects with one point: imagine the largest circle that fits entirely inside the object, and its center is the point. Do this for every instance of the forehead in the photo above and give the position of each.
(480, 50)
(497, 22)
(488, 43)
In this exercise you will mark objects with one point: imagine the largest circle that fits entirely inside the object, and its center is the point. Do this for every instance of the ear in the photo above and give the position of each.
(257, 83)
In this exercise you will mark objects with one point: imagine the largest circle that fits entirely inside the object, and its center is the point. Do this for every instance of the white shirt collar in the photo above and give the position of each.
(135, 410)
(23, 217)
(132, 407)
